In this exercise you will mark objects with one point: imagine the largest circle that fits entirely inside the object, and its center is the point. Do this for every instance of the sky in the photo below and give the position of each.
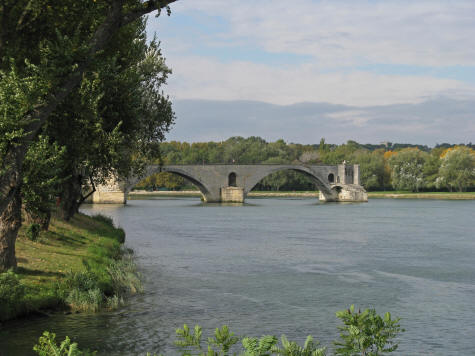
(365, 70)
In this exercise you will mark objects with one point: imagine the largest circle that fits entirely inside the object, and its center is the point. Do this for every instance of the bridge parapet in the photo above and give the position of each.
(232, 183)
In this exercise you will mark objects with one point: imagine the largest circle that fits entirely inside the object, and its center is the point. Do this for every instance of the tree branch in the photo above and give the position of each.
(146, 8)
(83, 198)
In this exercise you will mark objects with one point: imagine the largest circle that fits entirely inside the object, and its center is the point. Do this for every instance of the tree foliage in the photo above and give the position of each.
(66, 69)
(42, 180)
(457, 169)
(407, 169)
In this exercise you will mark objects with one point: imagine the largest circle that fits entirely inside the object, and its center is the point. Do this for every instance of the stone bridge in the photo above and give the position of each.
(232, 182)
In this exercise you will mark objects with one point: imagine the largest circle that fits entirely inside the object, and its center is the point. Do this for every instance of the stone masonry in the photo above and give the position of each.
(232, 183)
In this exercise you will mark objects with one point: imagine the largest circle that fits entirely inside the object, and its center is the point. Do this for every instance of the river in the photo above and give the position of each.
(283, 266)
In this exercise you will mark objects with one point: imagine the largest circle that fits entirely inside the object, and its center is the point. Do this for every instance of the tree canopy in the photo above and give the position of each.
(82, 76)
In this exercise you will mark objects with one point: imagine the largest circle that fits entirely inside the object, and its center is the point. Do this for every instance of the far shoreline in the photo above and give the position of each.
(140, 194)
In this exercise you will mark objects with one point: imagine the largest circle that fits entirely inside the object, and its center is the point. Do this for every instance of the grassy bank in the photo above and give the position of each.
(423, 195)
(77, 265)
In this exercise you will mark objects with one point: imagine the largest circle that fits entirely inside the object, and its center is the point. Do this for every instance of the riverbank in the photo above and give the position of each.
(78, 265)
(423, 195)
(141, 194)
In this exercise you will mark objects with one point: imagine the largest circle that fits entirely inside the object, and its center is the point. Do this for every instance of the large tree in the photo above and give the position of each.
(407, 169)
(46, 47)
(457, 169)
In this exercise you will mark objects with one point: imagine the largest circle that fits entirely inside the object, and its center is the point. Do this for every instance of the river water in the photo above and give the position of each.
(283, 266)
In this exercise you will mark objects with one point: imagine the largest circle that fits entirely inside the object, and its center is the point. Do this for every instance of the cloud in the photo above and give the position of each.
(423, 33)
(204, 78)
(430, 122)
(343, 51)
(386, 70)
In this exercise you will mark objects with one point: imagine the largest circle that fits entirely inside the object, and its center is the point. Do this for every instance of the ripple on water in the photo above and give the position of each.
(284, 266)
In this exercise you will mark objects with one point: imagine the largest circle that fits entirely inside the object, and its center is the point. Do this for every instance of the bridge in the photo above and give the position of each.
(232, 182)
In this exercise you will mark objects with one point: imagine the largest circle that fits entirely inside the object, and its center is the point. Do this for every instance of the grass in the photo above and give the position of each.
(74, 265)
(422, 195)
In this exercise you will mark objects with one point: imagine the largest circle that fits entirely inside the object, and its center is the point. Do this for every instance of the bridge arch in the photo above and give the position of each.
(321, 182)
(175, 170)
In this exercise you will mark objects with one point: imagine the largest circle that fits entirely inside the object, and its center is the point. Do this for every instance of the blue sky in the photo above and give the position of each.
(353, 53)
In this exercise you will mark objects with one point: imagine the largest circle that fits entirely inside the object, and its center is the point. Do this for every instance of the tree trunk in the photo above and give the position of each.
(71, 193)
(10, 222)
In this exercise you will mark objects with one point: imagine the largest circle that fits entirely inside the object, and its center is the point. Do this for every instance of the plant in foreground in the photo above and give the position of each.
(366, 333)
(47, 347)
(363, 334)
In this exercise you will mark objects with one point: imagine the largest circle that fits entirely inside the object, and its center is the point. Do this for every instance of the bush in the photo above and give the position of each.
(81, 291)
(366, 333)
(33, 232)
(97, 287)
(125, 279)
(12, 294)
(104, 219)
(119, 233)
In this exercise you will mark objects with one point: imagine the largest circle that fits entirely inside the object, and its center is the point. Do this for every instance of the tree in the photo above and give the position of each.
(46, 48)
(119, 115)
(431, 169)
(407, 169)
(371, 168)
(457, 169)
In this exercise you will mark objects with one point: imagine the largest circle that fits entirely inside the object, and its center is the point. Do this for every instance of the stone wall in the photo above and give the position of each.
(232, 194)
(109, 197)
(351, 192)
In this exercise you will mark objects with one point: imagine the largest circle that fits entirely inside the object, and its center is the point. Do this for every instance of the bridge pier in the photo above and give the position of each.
(345, 193)
(112, 192)
(232, 195)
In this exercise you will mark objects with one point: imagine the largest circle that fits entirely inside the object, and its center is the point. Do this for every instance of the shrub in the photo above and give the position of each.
(120, 237)
(104, 219)
(118, 233)
(125, 279)
(366, 333)
(12, 294)
(97, 287)
(33, 232)
(81, 291)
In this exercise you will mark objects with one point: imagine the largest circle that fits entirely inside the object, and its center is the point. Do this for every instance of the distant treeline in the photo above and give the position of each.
(385, 166)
